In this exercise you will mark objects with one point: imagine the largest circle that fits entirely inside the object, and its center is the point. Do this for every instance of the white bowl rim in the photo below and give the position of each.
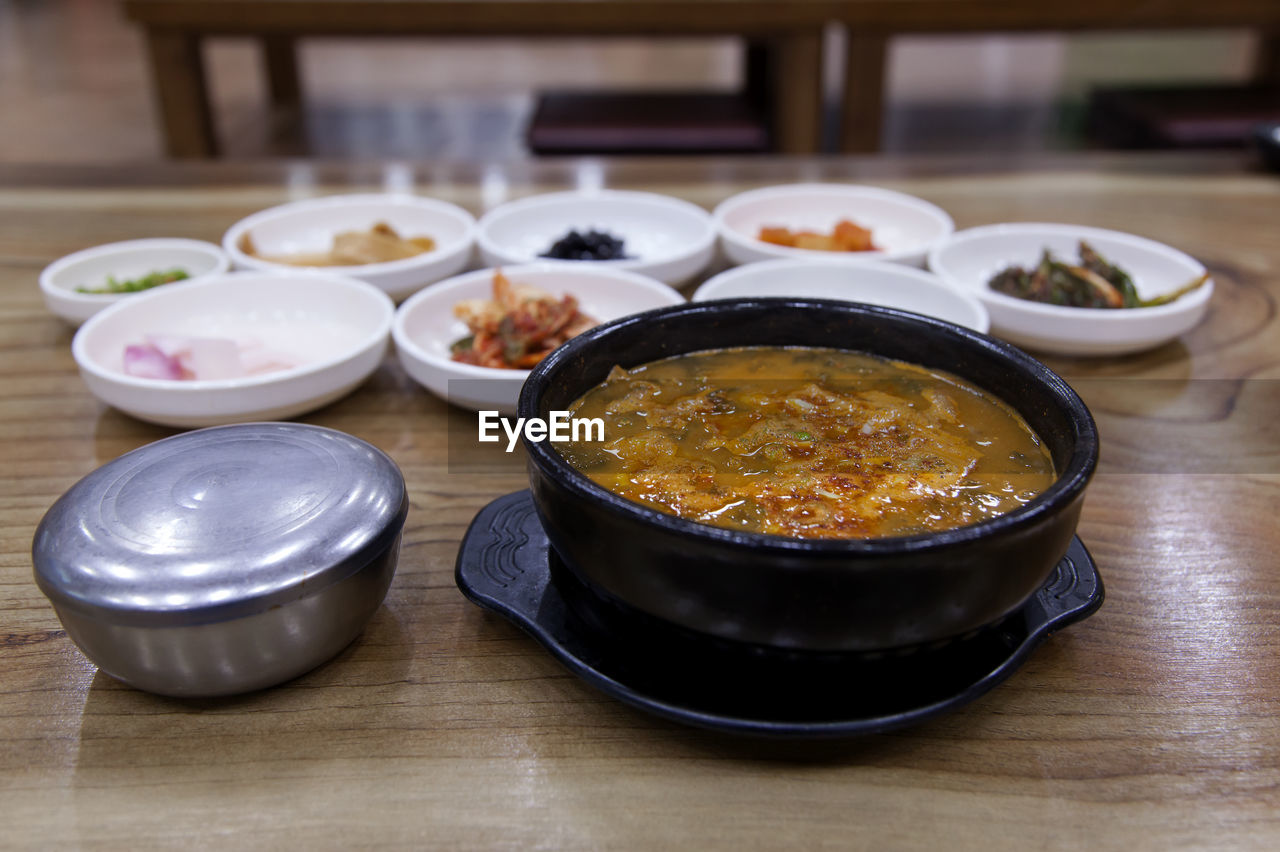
(923, 276)
(836, 188)
(231, 239)
(48, 275)
(205, 385)
(880, 264)
(406, 343)
(517, 205)
(1061, 312)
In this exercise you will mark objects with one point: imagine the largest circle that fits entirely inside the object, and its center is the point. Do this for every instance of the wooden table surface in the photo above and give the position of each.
(1152, 725)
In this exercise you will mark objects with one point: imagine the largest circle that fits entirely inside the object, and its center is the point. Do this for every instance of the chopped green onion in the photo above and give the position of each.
(134, 285)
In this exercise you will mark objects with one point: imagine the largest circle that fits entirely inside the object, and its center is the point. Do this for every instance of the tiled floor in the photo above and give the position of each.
(74, 87)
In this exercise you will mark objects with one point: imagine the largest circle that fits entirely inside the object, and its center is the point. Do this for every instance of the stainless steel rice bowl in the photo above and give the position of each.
(223, 560)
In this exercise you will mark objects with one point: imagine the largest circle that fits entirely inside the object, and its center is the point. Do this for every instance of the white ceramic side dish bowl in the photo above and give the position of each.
(310, 226)
(336, 328)
(126, 260)
(871, 283)
(889, 285)
(902, 226)
(425, 326)
(971, 257)
(665, 238)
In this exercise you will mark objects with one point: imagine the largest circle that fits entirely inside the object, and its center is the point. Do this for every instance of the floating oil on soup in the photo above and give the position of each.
(811, 443)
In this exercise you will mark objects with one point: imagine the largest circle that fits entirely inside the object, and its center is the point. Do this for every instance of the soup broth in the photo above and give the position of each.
(808, 442)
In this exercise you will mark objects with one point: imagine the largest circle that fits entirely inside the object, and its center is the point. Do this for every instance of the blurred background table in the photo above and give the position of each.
(783, 68)
(1150, 725)
(783, 74)
(870, 24)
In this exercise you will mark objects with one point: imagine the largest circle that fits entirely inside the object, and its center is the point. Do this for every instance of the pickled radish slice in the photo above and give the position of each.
(173, 356)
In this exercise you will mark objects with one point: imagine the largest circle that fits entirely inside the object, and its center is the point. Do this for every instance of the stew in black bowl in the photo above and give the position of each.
(808, 594)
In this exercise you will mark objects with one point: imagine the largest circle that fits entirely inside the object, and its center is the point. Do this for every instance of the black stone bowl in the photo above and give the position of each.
(770, 592)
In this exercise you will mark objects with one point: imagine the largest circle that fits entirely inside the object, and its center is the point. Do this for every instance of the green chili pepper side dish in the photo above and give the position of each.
(1093, 283)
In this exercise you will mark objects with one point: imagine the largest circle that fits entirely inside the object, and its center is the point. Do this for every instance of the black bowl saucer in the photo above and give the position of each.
(505, 565)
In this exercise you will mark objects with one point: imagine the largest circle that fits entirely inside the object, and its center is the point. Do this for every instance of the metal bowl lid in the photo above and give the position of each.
(219, 523)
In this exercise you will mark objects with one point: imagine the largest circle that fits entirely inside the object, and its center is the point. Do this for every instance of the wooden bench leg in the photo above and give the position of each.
(862, 113)
(1266, 63)
(177, 74)
(756, 74)
(284, 86)
(796, 112)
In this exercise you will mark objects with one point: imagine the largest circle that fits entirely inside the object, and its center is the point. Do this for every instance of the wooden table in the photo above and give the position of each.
(871, 24)
(785, 74)
(789, 35)
(1152, 725)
